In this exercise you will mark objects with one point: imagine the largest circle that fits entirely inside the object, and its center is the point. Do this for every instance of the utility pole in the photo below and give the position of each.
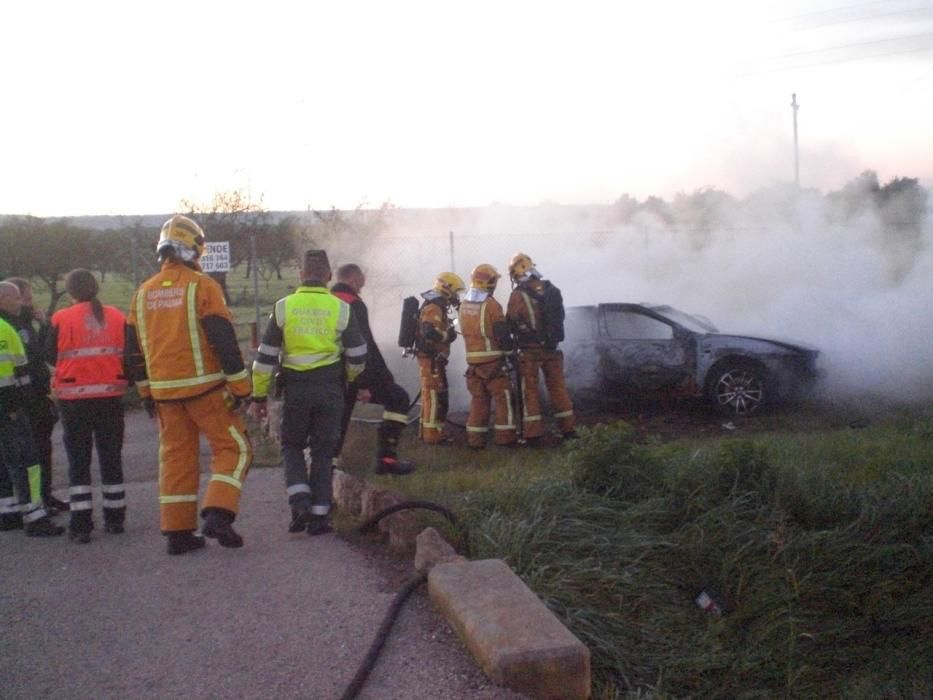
(795, 107)
(452, 268)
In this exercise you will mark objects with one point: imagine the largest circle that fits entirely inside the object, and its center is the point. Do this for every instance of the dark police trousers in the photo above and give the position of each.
(88, 423)
(311, 417)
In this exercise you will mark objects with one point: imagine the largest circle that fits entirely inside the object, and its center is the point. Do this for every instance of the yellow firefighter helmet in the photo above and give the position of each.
(519, 265)
(449, 285)
(182, 234)
(484, 277)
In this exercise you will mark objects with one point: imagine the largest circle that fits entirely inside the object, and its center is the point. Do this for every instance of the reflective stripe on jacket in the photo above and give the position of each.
(477, 324)
(166, 312)
(312, 322)
(90, 353)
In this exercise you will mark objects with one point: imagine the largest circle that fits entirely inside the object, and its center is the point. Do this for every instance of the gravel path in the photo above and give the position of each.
(286, 616)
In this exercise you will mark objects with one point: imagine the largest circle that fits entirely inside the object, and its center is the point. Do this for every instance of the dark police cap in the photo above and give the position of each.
(316, 257)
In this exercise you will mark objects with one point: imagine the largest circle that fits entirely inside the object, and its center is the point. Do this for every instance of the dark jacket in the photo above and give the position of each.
(377, 372)
(34, 341)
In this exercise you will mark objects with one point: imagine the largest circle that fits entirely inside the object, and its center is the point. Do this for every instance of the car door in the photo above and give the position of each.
(641, 352)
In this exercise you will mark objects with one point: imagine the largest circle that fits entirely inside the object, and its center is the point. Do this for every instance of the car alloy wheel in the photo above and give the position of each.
(739, 391)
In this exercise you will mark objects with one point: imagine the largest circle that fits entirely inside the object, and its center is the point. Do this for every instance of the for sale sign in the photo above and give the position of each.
(216, 256)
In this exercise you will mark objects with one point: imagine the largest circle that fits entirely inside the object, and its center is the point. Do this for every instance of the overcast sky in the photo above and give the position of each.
(129, 107)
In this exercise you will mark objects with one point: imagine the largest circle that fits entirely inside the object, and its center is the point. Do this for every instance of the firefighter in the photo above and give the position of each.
(183, 354)
(376, 384)
(307, 335)
(20, 473)
(535, 317)
(86, 346)
(486, 336)
(435, 333)
(33, 328)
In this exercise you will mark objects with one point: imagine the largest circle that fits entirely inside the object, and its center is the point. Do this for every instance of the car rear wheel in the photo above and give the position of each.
(738, 389)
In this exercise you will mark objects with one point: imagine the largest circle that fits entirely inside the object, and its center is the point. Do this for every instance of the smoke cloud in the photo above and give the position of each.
(779, 263)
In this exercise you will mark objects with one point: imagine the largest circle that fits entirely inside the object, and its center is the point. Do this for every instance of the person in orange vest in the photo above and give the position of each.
(86, 345)
(434, 335)
(183, 354)
(486, 336)
(535, 316)
(20, 474)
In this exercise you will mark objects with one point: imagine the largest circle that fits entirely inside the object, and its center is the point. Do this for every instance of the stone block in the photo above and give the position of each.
(431, 549)
(512, 635)
(348, 492)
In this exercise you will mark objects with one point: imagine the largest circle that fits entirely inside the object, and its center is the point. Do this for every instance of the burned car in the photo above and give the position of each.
(615, 351)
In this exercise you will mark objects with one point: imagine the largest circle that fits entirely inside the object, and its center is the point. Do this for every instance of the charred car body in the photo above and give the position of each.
(614, 351)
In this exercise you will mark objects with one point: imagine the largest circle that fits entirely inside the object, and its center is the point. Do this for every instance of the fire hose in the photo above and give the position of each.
(410, 586)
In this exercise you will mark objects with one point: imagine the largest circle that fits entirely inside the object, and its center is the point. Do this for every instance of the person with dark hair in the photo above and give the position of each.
(86, 345)
(307, 335)
(33, 328)
(20, 477)
(182, 352)
(376, 384)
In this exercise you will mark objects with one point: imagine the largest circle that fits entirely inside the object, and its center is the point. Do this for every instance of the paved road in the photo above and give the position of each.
(286, 616)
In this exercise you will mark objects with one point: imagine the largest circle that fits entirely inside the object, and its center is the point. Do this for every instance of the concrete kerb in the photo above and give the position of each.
(517, 642)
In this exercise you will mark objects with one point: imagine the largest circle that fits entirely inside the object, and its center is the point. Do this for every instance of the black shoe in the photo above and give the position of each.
(392, 465)
(57, 505)
(184, 541)
(43, 527)
(218, 525)
(319, 525)
(300, 520)
(79, 537)
(114, 528)
(11, 521)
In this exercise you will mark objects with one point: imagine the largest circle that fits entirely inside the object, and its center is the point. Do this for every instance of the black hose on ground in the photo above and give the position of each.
(356, 685)
(369, 662)
(426, 505)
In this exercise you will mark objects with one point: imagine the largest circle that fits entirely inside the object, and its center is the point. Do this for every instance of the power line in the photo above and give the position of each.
(925, 38)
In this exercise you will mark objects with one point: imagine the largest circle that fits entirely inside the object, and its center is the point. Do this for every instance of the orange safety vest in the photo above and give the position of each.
(476, 324)
(90, 353)
(167, 310)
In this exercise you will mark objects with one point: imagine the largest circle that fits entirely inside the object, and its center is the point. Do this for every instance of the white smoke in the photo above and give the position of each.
(780, 265)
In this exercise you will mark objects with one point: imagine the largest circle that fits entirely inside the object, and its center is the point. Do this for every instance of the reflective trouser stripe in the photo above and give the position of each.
(243, 459)
(529, 419)
(189, 498)
(227, 480)
(298, 488)
(397, 417)
(78, 490)
(320, 510)
(9, 505)
(475, 429)
(80, 505)
(563, 414)
(31, 516)
(505, 427)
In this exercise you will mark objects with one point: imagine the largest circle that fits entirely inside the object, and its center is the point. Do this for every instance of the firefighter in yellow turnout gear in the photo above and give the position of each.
(183, 354)
(435, 333)
(535, 318)
(486, 337)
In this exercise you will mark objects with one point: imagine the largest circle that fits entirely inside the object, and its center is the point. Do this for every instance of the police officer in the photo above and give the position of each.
(20, 474)
(43, 415)
(487, 340)
(183, 354)
(434, 335)
(530, 315)
(307, 335)
(376, 384)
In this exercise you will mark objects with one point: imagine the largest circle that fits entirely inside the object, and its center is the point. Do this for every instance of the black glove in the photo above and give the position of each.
(451, 335)
(149, 405)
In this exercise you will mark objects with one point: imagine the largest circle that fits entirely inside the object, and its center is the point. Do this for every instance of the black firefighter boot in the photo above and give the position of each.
(218, 524)
(388, 462)
(182, 541)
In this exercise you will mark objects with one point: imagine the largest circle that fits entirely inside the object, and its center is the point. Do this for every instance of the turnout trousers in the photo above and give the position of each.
(180, 425)
(88, 423)
(435, 397)
(489, 383)
(20, 474)
(311, 417)
(394, 401)
(534, 362)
